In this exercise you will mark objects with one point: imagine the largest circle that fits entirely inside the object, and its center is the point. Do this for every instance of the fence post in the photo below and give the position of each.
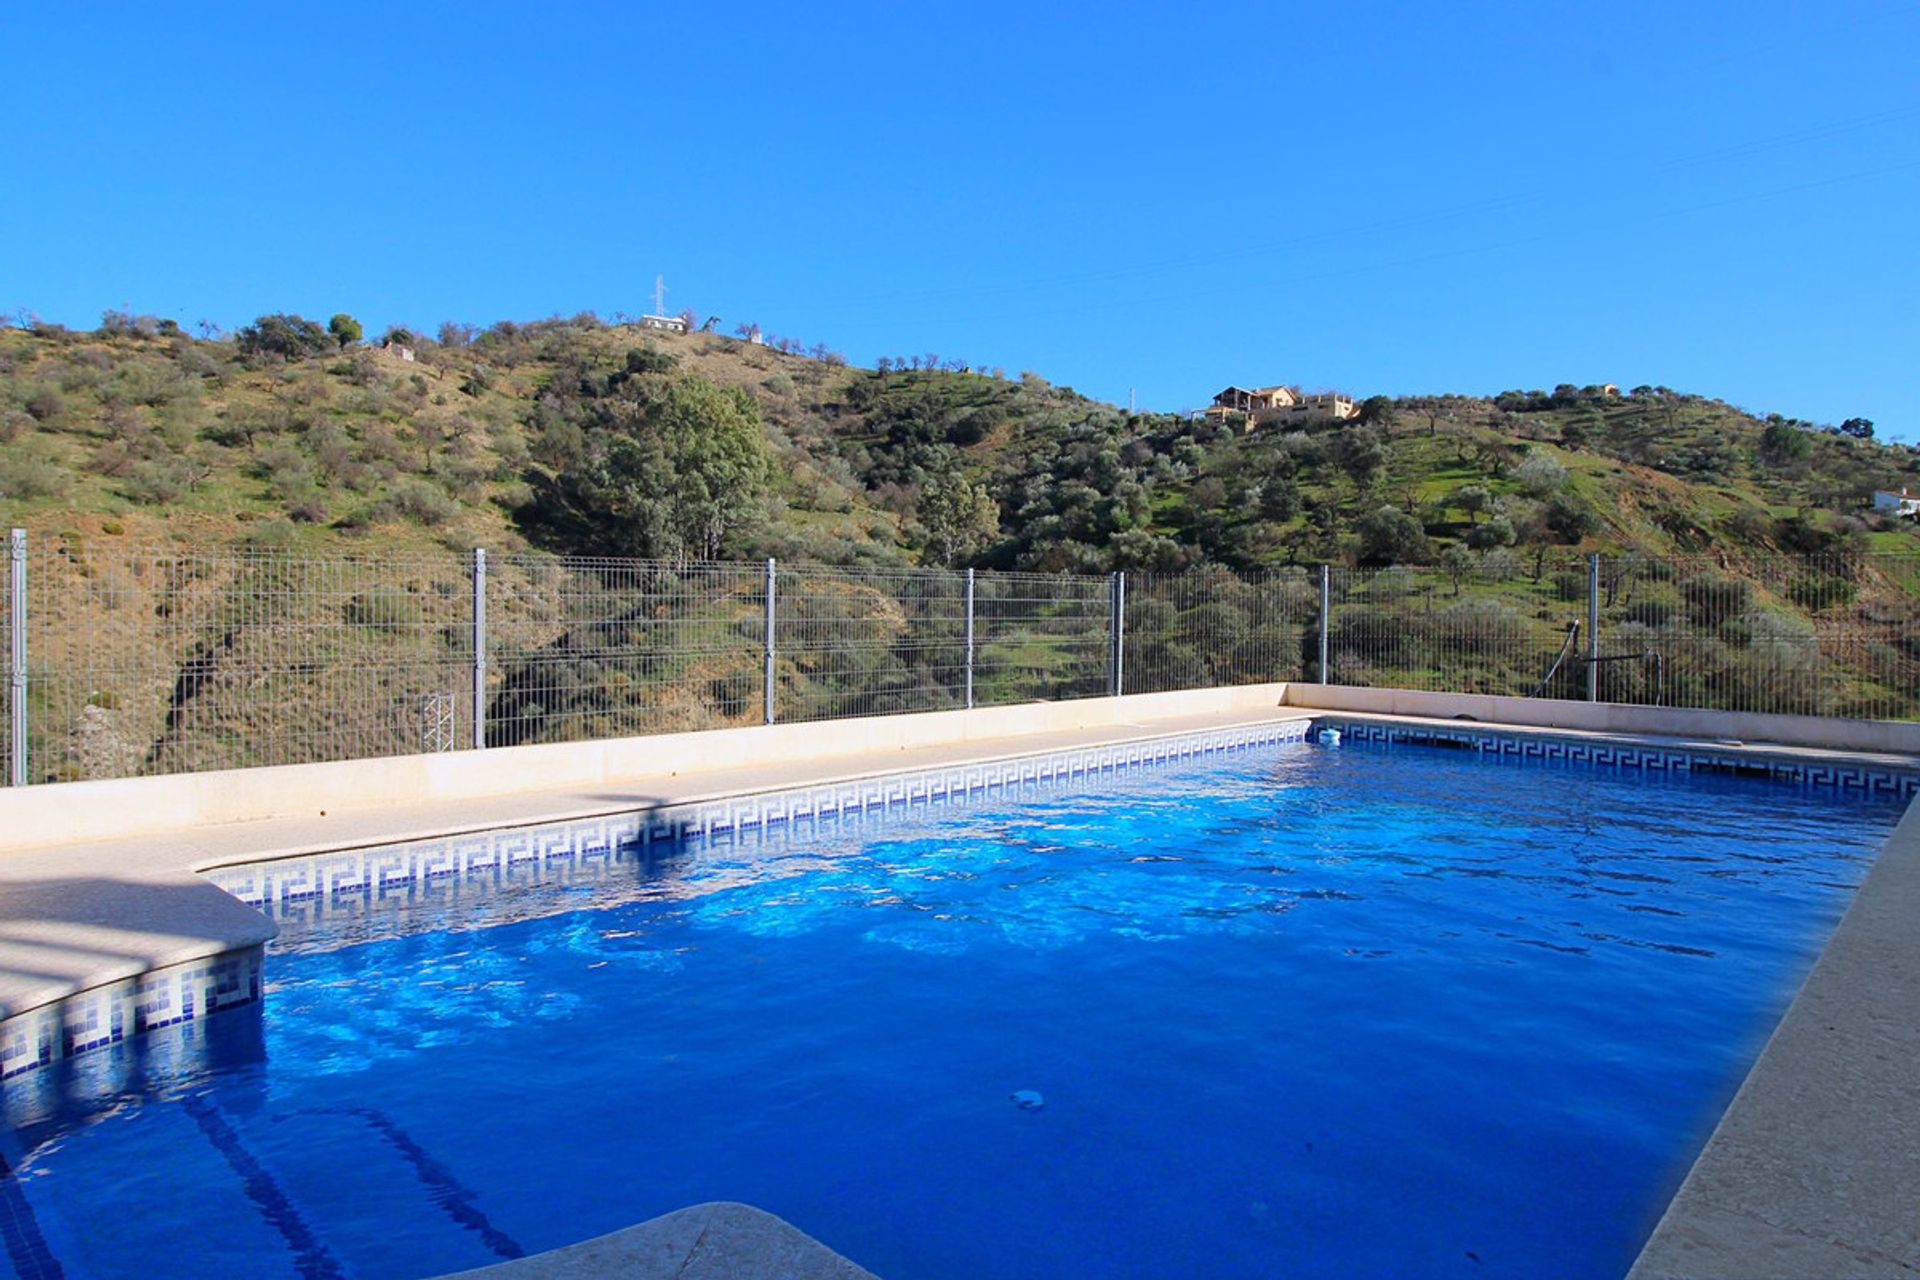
(969, 639)
(1326, 607)
(1593, 627)
(479, 648)
(17, 657)
(1117, 632)
(767, 675)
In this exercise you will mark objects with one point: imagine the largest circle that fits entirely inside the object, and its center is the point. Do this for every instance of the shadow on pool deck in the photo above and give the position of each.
(63, 933)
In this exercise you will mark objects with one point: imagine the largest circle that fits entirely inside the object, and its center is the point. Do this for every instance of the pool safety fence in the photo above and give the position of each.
(125, 660)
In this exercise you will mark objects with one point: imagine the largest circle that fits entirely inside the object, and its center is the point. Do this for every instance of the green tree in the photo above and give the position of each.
(285, 336)
(1783, 444)
(1858, 428)
(1378, 411)
(1568, 518)
(668, 479)
(960, 518)
(1458, 563)
(1540, 475)
(1472, 499)
(1363, 456)
(1391, 536)
(344, 328)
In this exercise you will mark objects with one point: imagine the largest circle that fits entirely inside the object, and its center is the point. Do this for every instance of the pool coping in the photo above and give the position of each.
(1812, 1169)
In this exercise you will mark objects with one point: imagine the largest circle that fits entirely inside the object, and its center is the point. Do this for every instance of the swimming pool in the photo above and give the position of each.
(1365, 1011)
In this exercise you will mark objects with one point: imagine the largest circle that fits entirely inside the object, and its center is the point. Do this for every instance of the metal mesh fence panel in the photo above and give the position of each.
(1827, 634)
(1505, 627)
(162, 660)
(1040, 636)
(158, 659)
(1210, 627)
(599, 648)
(858, 642)
(7, 624)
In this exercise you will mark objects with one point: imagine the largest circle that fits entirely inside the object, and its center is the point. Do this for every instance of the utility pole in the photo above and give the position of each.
(659, 295)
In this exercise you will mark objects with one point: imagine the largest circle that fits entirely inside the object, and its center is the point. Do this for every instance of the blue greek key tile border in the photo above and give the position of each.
(103, 1016)
(1648, 758)
(299, 892)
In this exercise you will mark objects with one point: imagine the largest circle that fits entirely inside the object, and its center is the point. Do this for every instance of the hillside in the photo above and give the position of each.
(526, 435)
(1733, 572)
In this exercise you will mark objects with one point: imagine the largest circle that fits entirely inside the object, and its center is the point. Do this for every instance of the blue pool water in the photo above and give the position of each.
(1357, 1012)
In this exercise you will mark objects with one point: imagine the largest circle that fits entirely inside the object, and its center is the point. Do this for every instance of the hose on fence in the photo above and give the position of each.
(1573, 634)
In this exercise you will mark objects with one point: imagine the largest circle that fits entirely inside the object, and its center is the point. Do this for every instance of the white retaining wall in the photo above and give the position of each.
(66, 812)
(83, 811)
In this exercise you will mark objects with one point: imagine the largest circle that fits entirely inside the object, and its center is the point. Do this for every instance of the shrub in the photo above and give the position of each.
(25, 474)
(156, 482)
(391, 612)
(1650, 613)
(1494, 533)
(651, 360)
(1501, 563)
(418, 500)
(1540, 475)
(277, 532)
(1712, 600)
(1822, 593)
(45, 403)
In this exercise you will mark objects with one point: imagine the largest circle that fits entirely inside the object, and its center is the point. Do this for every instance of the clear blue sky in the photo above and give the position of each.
(1372, 197)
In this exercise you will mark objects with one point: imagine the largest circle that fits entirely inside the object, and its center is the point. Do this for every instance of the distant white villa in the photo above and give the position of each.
(672, 324)
(1898, 505)
(1261, 406)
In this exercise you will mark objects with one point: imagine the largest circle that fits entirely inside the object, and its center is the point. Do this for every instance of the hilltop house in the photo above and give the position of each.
(672, 324)
(1898, 505)
(1264, 406)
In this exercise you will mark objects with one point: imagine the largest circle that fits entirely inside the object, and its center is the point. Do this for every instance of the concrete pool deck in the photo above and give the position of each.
(1814, 1170)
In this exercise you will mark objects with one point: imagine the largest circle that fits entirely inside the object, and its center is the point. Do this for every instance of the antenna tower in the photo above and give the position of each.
(659, 295)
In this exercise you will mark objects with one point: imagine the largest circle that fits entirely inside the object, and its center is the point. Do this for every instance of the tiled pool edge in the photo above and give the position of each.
(496, 853)
(1646, 754)
(103, 1016)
